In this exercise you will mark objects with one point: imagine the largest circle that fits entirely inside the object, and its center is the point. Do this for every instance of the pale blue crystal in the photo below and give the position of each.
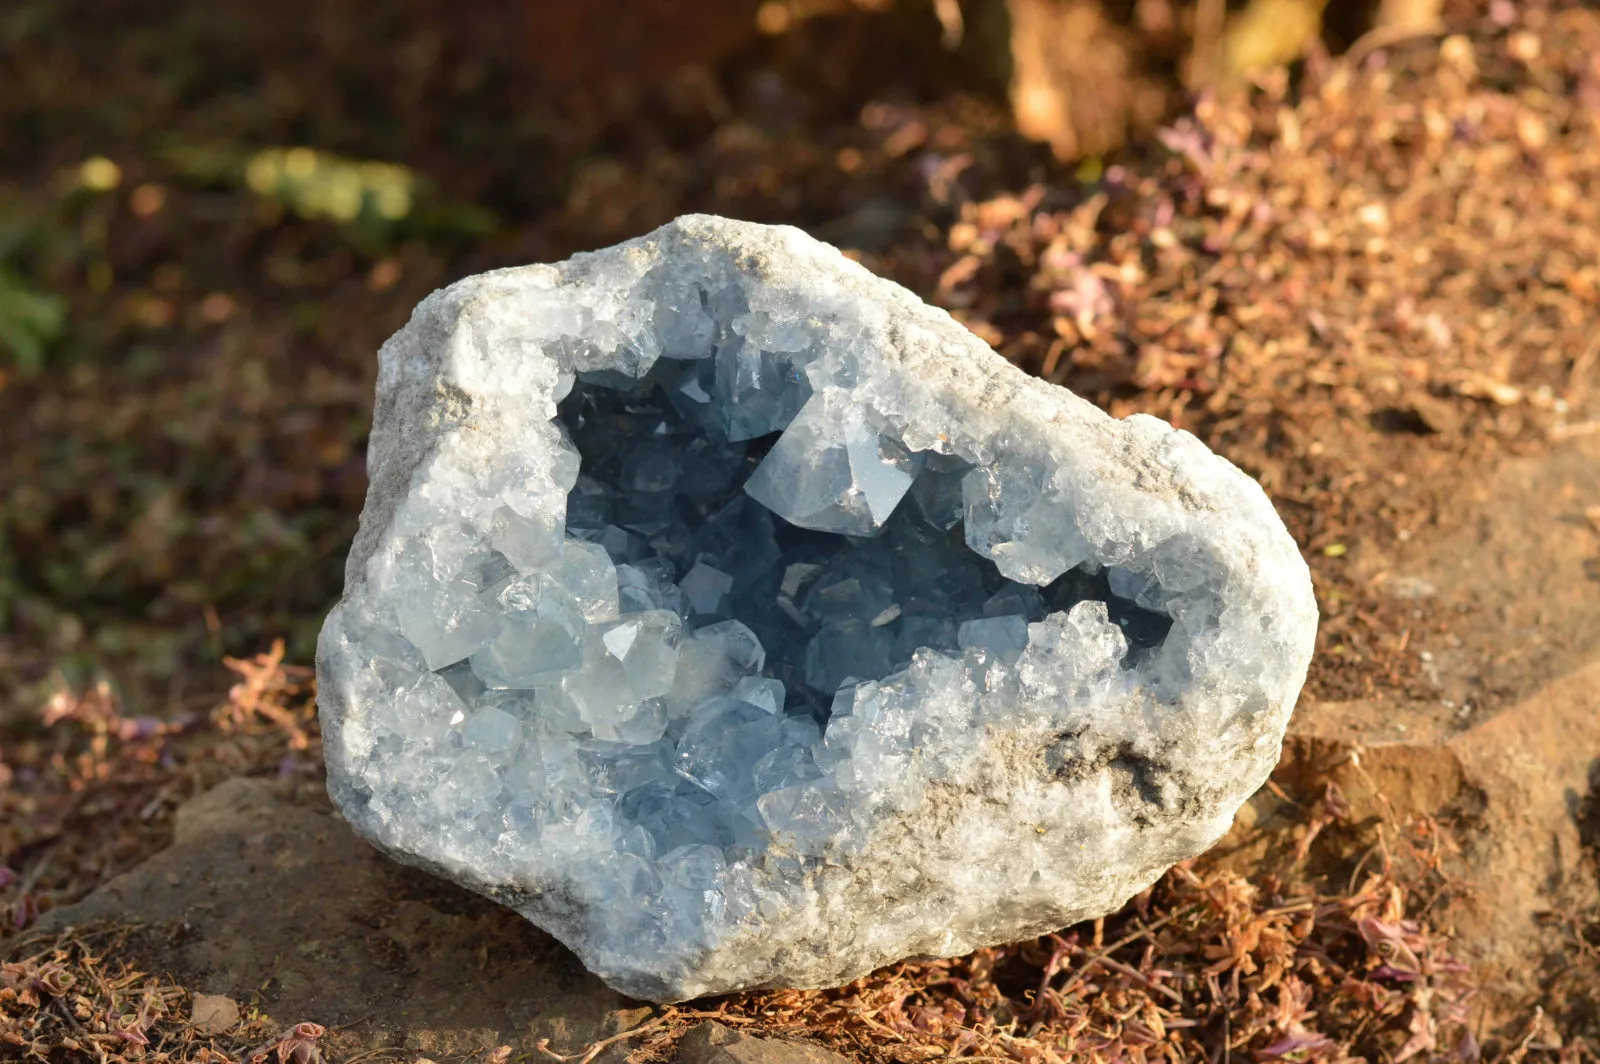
(1004, 637)
(649, 585)
(761, 391)
(1019, 599)
(645, 647)
(684, 324)
(831, 472)
(935, 633)
(706, 589)
(797, 577)
(627, 664)
(808, 815)
(724, 740)
(680, 813)
(805, 479)
(881, 468)
(424, 712)
(492, 729)
(787, 765)
(848, 592)
(936, 492)
(586, 572)
(463, 681)
(447, 620)
(739, 540)
(621, 544)
(761, 691)
(470, 783)
(536, 644)
(651, 470)
(847, 650)
(589, 507)
(637, 724)
(531, 541)
(695, 867)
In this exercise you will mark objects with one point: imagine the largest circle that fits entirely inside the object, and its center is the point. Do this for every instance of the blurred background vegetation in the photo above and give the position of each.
(212, 215)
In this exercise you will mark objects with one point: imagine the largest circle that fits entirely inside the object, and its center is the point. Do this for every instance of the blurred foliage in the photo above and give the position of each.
(1267, 34)
(375, 202)
(316, 184)
(57, 230)
(30, 321)
(1088, 75)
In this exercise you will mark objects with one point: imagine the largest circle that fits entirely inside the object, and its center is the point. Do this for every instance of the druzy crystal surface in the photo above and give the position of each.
(744, 621)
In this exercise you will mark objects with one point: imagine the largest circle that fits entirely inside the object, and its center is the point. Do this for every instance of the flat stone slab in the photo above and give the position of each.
(714, 1043)
(278, 904)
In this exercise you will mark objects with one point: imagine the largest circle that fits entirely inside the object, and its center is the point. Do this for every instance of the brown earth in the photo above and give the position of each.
(267, 898)
(1505, 613)
(1371, 283)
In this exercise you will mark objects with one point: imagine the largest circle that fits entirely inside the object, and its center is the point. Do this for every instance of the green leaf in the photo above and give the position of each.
(29, 322)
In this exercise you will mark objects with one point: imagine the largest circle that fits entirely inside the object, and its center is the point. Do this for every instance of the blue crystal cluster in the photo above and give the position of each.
(870, 565)
(741, 619)
(723, 581)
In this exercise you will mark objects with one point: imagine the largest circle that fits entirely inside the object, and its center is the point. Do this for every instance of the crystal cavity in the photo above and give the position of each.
(745, 622)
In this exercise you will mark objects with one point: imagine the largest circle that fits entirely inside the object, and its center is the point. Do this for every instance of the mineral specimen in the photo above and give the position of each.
(743, 621)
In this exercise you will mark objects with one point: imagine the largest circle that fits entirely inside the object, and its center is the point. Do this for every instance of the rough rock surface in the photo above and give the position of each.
(713, 1043)
(954, 659)
(268, 900)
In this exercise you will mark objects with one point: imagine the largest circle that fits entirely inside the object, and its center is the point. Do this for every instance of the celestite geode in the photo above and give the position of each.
(744, 621)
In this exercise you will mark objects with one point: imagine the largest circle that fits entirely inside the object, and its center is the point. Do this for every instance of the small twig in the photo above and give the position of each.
(1572, 432)
(1361, 865)
(594, 1048)
(1283, 795)
(1100, 954)
(1366, 1018)
(1576, 385)
(1386, 36)
(1526, 1042)
(1138, 976)
(720, 1015)
(65, 1010)
(866, 1018)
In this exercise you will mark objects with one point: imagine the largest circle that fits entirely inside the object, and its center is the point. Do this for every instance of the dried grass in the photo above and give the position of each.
(69, 998)
(87, 790)
(1205, 966)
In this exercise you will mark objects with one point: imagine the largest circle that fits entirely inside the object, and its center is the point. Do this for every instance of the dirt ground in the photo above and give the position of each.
(1371, 281)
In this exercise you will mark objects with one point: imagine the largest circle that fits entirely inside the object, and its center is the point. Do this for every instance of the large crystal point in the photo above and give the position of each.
(745, 622)
(832, 472)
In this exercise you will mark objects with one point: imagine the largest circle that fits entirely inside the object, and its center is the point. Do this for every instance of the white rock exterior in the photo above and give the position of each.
(955, 660)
